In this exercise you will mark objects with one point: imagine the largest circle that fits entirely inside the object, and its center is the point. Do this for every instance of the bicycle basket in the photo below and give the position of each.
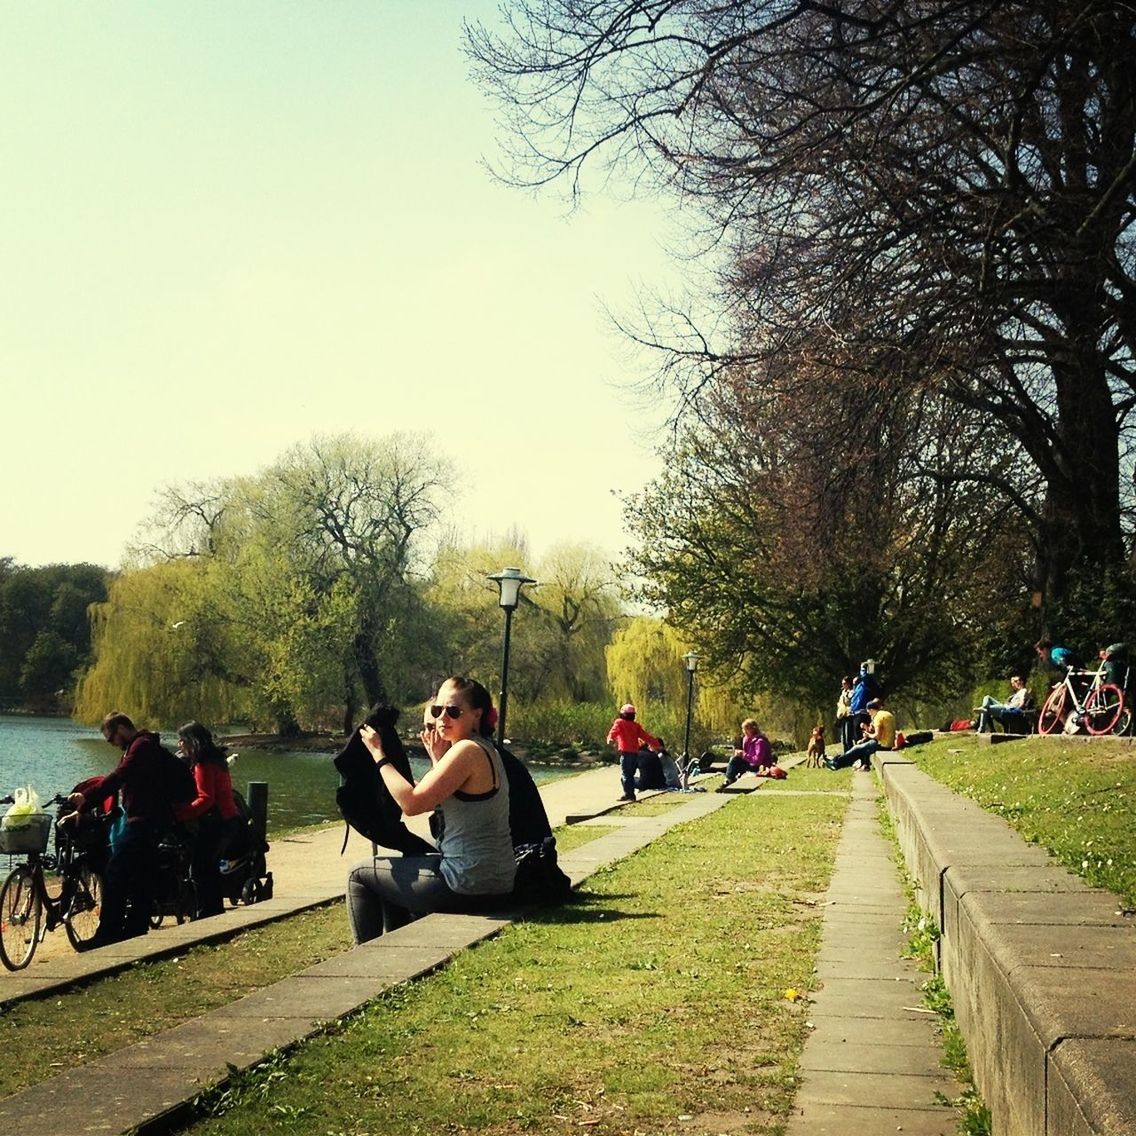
(28, 833)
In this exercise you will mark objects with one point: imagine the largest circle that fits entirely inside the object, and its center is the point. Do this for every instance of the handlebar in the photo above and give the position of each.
(58, 799)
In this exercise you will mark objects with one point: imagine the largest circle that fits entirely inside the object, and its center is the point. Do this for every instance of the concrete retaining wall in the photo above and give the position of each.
(1041, 968)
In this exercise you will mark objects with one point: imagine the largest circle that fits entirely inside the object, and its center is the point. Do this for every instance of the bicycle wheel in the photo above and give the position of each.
(21, 915)
(1053, 712)
(82, 918)
(1103, 709)
(1124, 722)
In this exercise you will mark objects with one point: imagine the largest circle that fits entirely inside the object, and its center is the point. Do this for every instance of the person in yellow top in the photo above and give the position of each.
(880, 735)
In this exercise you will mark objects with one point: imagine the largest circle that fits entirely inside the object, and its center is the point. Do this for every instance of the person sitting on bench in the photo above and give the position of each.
(1010, 713)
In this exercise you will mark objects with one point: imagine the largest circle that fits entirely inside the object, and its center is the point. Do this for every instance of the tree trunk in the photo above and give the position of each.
(350, 704)
(374, 689)
(1081, 523)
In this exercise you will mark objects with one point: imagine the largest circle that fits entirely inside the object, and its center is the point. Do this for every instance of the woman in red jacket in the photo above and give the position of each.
(628, 737)
(218, 819)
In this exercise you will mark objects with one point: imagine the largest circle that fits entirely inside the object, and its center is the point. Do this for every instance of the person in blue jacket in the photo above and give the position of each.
(1060, 658)
(865, 689)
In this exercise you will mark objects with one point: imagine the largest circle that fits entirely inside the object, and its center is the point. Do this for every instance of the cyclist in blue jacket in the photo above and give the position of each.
(1058, 657)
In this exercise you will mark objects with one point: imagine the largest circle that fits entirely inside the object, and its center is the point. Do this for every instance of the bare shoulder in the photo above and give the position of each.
(464, 753)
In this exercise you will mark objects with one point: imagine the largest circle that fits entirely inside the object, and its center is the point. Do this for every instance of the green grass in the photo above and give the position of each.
(973, 1115)
(658, 995)
(1075, 798)
(41, 1036)
(573, 835)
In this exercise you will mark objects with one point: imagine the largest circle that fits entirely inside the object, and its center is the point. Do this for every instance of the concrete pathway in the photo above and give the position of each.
(872, 1063)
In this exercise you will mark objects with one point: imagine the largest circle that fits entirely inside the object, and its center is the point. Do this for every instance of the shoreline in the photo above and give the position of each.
(565, 758)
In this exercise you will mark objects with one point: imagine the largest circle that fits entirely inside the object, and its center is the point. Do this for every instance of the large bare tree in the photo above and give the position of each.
(935, 195)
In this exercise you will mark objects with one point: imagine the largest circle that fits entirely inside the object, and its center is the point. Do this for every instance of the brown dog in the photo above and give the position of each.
(816, 746)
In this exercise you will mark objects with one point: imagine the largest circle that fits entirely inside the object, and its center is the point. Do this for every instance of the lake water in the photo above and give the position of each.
(55, 754)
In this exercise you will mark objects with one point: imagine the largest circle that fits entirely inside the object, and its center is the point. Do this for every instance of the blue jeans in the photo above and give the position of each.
(994, 711)
(861, 752)
(628, 767)
(386, 893)
(129, 883)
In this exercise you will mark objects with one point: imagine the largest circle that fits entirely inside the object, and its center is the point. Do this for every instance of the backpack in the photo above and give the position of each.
(540, 879)
(528, 818)
(176, 778)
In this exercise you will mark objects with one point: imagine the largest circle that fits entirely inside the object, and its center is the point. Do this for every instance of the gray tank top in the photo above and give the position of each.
(476, 846)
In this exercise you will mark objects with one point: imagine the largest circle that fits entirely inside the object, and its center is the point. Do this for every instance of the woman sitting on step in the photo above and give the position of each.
(468, 787)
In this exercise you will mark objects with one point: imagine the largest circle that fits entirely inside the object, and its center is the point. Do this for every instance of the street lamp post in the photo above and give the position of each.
(509, 582)
(691, 661)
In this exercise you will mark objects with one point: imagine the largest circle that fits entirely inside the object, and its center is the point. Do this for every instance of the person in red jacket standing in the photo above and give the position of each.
(214, 809)
(628, 737)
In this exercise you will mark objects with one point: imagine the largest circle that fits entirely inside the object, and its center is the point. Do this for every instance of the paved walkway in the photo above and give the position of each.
(871, 1060)
(871, 1065)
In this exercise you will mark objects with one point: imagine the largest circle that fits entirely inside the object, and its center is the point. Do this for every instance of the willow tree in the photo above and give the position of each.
(578, 603)
(646, 667)
(296, 584)
(558, 638)
(152, 652)
(466, 615)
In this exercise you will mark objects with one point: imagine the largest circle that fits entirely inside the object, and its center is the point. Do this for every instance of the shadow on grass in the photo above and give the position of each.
(586, 907)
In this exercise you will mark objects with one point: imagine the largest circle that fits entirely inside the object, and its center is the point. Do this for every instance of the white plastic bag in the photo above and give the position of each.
(27, 802)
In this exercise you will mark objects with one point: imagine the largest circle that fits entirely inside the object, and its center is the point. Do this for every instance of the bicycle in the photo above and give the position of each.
(28, 910)
(1104, 710)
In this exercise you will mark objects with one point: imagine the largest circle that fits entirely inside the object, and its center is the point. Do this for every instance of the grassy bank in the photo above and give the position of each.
(41, 1036)
(660, 994)
(1076, 798)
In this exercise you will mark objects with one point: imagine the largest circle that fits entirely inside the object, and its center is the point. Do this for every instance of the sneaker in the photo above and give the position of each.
(830, 763)
(626, 797)
(857, 766)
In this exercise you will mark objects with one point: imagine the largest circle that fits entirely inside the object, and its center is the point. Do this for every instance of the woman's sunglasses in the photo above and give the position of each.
(449, 711)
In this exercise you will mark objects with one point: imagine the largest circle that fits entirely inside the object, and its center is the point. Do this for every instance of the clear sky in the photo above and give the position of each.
(228, 226)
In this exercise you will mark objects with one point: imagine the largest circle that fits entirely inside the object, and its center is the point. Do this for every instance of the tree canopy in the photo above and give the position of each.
(922, 212)
(45, 634)
(292, 590)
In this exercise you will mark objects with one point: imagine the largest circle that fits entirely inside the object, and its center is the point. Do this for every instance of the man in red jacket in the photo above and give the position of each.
(628, 737)
(129, 881)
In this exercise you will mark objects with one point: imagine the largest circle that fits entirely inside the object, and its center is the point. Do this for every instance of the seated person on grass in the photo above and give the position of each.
(755, 753)
(880, 735)
(1009, 713)
(650, 771)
